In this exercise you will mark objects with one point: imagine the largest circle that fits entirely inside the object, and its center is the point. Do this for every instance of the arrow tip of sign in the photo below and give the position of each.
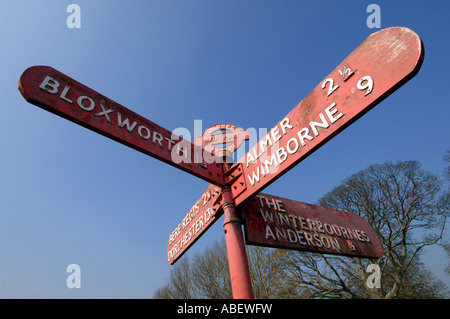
(27, 74)
(408, 36)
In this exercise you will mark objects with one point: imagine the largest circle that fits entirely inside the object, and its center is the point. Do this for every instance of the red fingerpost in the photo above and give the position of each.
(237, 258)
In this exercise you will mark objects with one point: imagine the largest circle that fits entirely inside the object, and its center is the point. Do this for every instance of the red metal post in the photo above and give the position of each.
(237, 257)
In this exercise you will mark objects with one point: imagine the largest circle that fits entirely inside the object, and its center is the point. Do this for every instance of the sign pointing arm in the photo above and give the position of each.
(380, 65)
(203, 214)
(272, 221)
(55, 92)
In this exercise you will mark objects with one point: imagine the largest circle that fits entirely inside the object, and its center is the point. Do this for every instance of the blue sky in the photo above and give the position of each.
(71, 196)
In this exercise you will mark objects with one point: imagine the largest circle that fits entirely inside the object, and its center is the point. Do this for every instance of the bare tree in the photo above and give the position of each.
(406, 206)
(207, 275)
(447, 249)
(402, 203)
(267, 276)
(180, 285)
(445, 200)
(210, 273)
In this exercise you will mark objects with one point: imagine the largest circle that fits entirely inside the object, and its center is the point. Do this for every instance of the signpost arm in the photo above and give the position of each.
(237, 257)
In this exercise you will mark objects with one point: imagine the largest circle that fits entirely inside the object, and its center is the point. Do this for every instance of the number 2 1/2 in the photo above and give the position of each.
(365, 83)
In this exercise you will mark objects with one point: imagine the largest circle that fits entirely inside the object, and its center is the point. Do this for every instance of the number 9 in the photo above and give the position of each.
(368, 85)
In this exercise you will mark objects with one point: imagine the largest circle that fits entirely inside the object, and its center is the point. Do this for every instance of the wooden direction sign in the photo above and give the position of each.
(282, 223)
(200, 217)
(57, 93)
(385, 61)
(381, 64)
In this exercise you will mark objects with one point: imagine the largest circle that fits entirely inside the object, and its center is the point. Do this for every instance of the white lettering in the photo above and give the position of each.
(63, 95)
(171, 142)
(266, 215)
(272, 161)
(254, 178)
(104, 112)
(281, 155)
(271, 202)
(330, 113)
(265, 142)
(304, 133)
(285, 124)
(269, 232)
(249, 158)
(126, 123)
(275, 134)
(323, 124)
(48, 81)
(144, 136)
(84, 107)
(288, 146)
(158, 138)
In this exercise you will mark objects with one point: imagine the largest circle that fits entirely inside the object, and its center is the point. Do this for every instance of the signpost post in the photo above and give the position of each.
(213, 202)
(237, 256)
(380, 65)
